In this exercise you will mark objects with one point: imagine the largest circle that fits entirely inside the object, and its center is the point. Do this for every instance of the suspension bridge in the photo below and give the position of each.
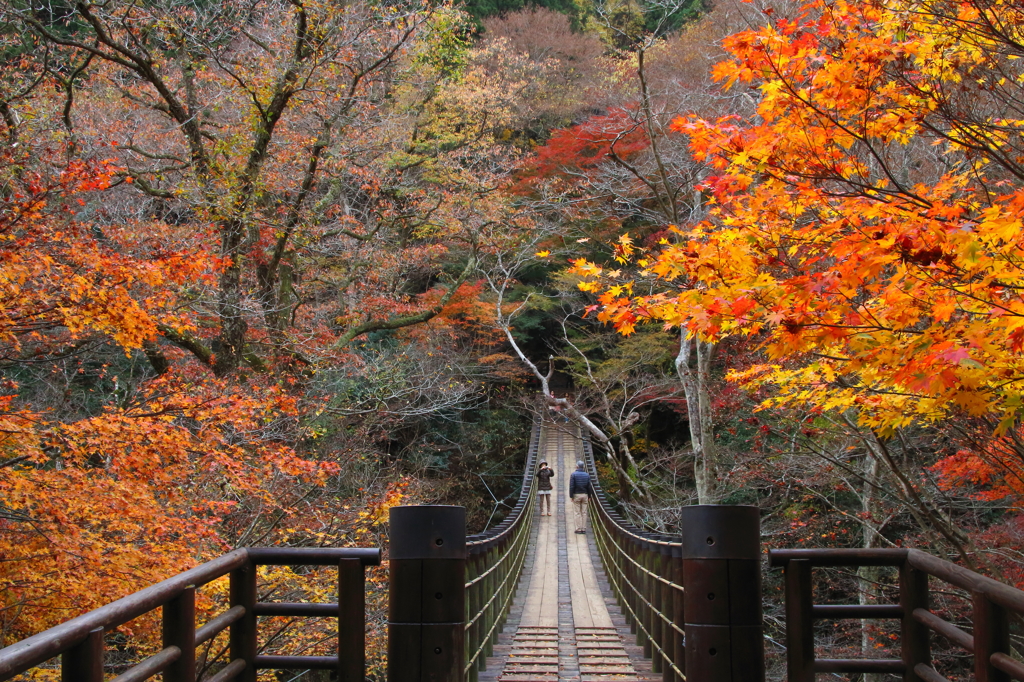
(533, 601)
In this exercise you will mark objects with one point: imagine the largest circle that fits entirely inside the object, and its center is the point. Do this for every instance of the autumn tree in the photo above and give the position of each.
(239, 248)
(874, 252)
(232, 121)
(151, 471)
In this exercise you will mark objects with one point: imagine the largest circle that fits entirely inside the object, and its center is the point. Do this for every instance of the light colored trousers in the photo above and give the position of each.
(579, 506)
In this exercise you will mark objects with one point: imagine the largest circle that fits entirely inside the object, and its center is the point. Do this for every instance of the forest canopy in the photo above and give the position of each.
(270, 268)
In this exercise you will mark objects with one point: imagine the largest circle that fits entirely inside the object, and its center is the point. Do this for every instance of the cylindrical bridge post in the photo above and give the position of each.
(427, 608)
(722, 593)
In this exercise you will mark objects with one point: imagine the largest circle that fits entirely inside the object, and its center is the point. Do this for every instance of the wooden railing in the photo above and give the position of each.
(992, 603)
(79, 642)
(646, 574)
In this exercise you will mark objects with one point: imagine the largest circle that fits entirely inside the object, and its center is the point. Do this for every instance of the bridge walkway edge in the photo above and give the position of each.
(614, 634)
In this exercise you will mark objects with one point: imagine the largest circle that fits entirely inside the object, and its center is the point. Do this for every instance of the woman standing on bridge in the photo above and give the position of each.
(544, 477)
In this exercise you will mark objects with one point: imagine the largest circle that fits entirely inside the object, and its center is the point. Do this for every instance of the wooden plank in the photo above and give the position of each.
(601, 651)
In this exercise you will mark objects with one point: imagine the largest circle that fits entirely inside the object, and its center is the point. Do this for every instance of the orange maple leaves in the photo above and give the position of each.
(97, 505)
(59, 272)
(867, 223)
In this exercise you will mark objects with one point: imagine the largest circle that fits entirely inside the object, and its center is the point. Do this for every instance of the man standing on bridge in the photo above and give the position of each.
(579, 489)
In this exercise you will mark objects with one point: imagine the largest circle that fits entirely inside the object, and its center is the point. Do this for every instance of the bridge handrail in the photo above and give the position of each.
(991, 604)
(494, 565)
(507, 525)
(645, 573)
(80, 640)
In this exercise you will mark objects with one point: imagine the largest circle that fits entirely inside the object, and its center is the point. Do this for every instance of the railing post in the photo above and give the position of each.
(661, 608)
(991, 636)
(799, 622)
(427, 607)
(179, 629)
(491, 584)
(652, 595)
(243, 631)
(475, 632)
(678, 601)
(632, 550)
(351, 621)
(722, 584)
(84, 662)
(643, 583)
(913, 635)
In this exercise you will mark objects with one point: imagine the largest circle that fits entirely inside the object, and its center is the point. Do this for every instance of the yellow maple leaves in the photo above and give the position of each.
(885, 280)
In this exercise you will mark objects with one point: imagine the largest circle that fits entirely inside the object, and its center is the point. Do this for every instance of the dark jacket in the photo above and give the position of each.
(544, 478)
(579, 483)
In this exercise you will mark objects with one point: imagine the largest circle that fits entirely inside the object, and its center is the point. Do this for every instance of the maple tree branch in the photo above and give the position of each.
(614, 156)
(876, 446)
(188, 342)
(669, 204)
(294, 212)
(69, 98)
(408, 320)
(806, 101)
(10, 119)
(154, 155)
(147, 188)
(142, 65)
(156, 357)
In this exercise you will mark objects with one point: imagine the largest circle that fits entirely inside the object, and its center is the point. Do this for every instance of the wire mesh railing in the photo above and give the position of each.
(645, 572)
(494, 565)
(692, 600)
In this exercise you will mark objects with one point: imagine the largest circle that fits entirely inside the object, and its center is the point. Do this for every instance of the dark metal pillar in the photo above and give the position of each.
(722, 584)
(427, 607)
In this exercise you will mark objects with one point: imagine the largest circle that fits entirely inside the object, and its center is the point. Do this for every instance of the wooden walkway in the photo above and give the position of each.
(564, 623)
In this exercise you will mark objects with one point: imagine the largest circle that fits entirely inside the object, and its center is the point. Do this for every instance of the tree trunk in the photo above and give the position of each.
(707, 462)
(867, 576)
(231, 342)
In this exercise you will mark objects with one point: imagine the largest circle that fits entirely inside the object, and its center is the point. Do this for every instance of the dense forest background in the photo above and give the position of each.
(268, 268)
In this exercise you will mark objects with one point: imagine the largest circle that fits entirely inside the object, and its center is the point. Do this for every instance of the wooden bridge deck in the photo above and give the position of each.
(564, 623)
